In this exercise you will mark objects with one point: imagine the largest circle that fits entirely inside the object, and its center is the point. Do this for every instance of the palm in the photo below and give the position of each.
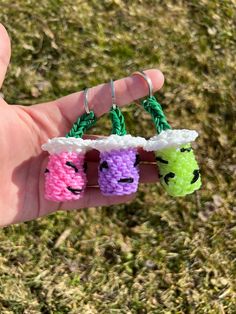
(25, 129)
(22, 163)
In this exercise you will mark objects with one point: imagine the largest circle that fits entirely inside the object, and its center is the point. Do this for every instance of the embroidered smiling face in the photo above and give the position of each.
(65, 176)
(179, 171)
(118, 172)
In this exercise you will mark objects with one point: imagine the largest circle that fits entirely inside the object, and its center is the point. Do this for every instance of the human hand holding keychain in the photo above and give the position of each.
(25, 129)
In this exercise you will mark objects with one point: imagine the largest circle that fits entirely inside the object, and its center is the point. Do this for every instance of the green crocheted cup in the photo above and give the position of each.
(178, 168)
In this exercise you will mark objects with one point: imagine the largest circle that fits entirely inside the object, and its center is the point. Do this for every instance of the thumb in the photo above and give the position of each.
(5, 52)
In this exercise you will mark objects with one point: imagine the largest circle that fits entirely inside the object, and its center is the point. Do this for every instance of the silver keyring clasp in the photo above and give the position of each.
(147, 80)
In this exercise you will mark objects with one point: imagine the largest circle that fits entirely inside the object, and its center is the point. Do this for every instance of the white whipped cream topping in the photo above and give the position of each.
(170, 138)
(59, 145)
(116, 142)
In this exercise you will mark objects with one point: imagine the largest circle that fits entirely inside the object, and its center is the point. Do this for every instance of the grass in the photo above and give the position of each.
(158, 254)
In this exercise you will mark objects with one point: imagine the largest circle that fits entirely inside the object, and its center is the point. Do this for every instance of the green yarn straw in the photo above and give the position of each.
(85, 122)
(118, 121)
(154, 108)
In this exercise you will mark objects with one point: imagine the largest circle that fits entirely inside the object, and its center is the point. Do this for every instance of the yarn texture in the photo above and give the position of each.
(65, 177)
(59, 145)
(83, 123)
(118, 172)
(179, 171)
(117, 142)
(118, 122)
(170, 138)
(152, 106)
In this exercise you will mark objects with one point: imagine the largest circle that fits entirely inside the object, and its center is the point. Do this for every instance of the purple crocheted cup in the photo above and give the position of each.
(118, 172)
(65, 177)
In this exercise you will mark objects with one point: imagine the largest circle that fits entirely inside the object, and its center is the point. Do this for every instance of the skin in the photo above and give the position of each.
(24, 129)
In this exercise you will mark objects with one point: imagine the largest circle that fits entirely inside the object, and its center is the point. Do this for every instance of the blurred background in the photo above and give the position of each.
(158, 254)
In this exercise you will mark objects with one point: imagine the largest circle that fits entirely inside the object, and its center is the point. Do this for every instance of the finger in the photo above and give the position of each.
(92, 173)
(93, 197)
(5, 52)
(127, 90)
(148, 173)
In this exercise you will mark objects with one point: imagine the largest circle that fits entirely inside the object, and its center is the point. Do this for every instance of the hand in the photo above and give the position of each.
(24, 129)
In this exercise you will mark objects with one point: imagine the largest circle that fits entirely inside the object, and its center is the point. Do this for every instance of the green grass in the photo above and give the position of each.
(158, 254)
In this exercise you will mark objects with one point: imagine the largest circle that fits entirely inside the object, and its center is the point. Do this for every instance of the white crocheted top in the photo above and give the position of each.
(116, 142)
(170, 138)
(59, 145)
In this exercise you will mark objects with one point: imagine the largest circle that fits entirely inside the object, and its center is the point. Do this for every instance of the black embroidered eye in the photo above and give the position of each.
(168, 176)
(137, 160)
(160, 159)
(103, 165)
(85, 166)
(185, 149)
(46, 170)
(70, 164)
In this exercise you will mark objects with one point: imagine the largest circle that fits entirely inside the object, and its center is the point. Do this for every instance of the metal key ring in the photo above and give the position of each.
(147, 80)
(86, 106)
(113, 95)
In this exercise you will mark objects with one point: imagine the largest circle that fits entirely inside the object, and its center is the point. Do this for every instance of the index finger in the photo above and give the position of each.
(5, 52)
(127, 90)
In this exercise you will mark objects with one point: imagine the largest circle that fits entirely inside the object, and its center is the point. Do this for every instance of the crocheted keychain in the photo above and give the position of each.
(118, 172)
(178, 168)
(65, 175)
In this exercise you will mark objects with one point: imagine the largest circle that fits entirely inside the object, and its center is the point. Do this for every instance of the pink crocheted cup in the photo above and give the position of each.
(65, 175)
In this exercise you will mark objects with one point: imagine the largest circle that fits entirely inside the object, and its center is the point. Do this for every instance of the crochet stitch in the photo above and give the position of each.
(117, 142)
(59, 145)
(118, 172)
(65, 175)
(65, 178)
(178, 169)
(171, 138)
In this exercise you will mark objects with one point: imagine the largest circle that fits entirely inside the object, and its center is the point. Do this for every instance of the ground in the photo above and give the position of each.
(158, 254)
